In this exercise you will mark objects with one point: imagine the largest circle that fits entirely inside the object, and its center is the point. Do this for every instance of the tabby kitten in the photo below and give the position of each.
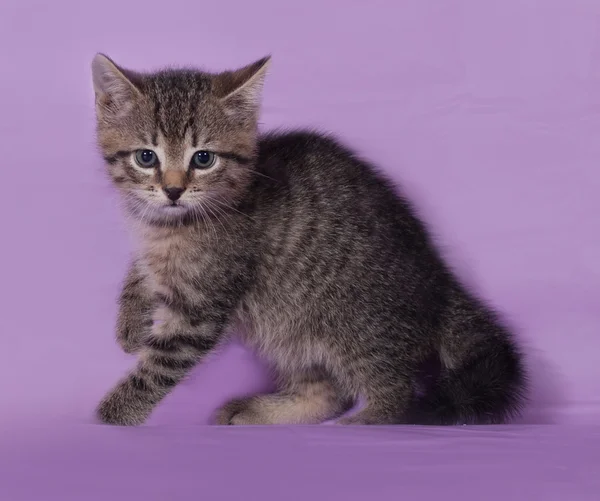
(297, 244)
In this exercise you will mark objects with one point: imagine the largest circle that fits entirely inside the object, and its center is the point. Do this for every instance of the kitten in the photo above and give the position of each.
(298, 244)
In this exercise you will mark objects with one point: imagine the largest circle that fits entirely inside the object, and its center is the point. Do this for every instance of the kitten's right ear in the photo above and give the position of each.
(115, 92)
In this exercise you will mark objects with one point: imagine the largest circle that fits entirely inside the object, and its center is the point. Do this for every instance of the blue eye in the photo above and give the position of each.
(203, 160)
(146, 158)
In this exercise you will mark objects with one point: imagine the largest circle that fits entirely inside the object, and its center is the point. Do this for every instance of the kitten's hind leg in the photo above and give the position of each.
(305, 402)
(385, 405)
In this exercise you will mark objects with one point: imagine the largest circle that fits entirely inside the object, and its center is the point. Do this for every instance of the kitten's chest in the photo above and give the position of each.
(171, 263)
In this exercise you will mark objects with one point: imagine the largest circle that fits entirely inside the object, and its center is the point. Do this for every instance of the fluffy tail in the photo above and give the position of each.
(487, 385)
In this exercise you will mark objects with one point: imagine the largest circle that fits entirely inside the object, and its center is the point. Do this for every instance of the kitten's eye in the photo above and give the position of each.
(203, 160)
(146, 158)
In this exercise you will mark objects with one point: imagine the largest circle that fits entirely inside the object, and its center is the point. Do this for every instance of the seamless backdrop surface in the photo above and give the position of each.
(488, 114)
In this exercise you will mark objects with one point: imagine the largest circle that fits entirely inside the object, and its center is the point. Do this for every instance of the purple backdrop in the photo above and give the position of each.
(488, 112)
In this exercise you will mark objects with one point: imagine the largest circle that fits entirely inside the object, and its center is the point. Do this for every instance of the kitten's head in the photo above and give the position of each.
(178, 144)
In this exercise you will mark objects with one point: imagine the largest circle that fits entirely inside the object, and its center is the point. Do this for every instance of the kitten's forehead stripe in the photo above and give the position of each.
(177, 96)
(192, 127)
(157, 119)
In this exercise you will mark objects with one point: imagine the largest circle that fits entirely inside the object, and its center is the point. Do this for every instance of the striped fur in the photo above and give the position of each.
(298, 245)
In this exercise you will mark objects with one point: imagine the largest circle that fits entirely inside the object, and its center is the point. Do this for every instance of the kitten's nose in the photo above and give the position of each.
(173, 192)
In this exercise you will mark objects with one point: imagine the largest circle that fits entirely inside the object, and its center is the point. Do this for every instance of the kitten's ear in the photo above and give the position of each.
(240, 90)
(114, 88)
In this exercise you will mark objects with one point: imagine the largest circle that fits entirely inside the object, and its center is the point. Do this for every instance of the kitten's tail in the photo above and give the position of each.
(487, 385)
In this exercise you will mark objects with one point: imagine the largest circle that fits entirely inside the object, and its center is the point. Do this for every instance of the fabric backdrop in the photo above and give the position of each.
(486, 112)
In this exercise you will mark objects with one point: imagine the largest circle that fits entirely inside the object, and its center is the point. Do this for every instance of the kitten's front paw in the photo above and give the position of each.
(122, 407)
(236, 412)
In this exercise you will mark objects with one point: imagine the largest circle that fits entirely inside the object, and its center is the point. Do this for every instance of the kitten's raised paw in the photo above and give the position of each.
(130, 346)
(130, 340)
(131, 334)
(235, 412)
(122, 408)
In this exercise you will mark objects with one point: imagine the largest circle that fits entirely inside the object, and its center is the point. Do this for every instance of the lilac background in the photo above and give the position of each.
(487, 111)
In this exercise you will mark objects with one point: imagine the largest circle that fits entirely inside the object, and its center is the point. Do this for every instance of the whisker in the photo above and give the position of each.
(225, 204)
(211, 224)
(207, 223)
(219, 212)
(263, 175)
(199, 217)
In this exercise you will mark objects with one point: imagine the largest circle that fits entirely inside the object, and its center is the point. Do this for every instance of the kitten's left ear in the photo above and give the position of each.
(240, 90)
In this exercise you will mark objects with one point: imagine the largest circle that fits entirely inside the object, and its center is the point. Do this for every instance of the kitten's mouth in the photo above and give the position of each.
(173, 208)
(172, 205)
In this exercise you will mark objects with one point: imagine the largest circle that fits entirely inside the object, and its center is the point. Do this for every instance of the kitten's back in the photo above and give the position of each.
(336, 224)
